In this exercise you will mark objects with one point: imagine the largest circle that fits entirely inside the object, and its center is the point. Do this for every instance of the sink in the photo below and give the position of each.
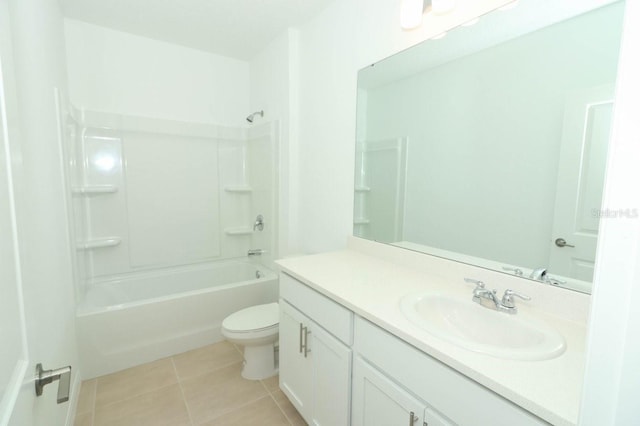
(480, 329)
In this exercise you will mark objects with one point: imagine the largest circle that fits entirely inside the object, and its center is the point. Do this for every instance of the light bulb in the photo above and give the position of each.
(411, 13)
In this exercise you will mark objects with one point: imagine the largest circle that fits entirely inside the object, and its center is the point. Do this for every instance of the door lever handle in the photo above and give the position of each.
(63, 375)
(561, 242)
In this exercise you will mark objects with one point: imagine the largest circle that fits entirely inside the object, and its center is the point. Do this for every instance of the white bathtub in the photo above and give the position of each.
(129, 321)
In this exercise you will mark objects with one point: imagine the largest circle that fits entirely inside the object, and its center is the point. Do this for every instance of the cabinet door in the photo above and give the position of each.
(331, 363)
(433, 418)
(378, 401)
(295, 368)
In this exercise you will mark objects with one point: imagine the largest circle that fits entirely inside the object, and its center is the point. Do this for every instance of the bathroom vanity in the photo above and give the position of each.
(350, 355)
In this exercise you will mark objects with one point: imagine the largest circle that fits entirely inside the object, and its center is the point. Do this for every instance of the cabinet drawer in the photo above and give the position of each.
(442, 387)
(333, 317)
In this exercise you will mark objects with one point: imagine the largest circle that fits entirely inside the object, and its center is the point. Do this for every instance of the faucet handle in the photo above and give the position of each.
(555, 281)
(478, 283)
(507, 299)
(516, 271)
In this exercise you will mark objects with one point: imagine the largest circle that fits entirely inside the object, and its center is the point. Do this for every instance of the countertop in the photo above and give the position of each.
(372, 288)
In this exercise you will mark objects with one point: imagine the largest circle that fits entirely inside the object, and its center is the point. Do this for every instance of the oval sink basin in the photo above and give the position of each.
(481, 329)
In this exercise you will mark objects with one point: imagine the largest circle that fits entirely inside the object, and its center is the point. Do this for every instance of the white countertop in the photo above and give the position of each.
(372, 288)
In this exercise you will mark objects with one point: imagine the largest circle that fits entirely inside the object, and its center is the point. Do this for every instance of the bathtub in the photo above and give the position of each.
(139, 318)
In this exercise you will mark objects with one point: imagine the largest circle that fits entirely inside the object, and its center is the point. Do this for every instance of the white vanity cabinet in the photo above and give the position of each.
(393, 383)
(315, 354)
(379, 401)
(391, 374)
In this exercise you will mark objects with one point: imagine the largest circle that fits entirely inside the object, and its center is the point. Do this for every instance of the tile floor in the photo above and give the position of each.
(199, 387)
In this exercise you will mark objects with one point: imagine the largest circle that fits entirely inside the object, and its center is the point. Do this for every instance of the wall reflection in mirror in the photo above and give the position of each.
(489, 146)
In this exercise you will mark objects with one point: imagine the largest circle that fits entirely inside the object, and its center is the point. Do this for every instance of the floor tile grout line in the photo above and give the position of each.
(180, 379)
(280, 408)
(271, 394)
(184, 398)
(138, 395)
(224, 413)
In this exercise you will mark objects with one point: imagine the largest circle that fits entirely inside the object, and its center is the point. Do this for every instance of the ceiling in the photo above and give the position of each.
(234, 28)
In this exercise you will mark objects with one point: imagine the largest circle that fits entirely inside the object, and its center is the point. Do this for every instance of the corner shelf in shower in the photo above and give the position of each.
(238, 231)
(99, 243)
(361, 221)
(94, 189)
(362, 189)
(238, 188)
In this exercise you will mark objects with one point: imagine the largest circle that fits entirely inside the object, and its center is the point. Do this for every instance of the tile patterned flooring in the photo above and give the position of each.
(199, 387)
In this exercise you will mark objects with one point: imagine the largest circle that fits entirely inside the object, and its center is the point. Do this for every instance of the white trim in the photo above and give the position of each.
(11, 393)
(612, 373)
(19, 375)
(73, 399)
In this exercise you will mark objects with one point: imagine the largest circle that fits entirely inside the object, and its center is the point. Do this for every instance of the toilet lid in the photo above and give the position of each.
(253, 318)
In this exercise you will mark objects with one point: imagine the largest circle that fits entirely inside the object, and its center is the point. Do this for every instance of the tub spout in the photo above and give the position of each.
(256, 252)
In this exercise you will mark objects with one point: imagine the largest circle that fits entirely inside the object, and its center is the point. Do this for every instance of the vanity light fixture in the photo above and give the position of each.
(411, 13)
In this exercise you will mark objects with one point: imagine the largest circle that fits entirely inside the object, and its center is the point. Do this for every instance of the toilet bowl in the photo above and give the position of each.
(255, 328)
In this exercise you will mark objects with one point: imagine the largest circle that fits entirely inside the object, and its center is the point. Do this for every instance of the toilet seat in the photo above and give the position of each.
(255, 328)
(260, 319)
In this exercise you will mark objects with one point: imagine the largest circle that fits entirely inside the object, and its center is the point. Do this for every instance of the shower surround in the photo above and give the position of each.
(165, 211)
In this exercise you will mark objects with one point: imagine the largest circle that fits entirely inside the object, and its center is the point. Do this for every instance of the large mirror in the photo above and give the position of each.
(489, 146)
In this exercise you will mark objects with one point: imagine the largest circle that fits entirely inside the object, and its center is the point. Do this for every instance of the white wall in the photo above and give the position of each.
(326, 146)
(612, 379)
(113, 71)
(273, 89)
(347, 36)
(38, 45)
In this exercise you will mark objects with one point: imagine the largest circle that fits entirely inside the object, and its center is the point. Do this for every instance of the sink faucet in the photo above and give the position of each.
(506, 304)
(539, 274)
(480, 292)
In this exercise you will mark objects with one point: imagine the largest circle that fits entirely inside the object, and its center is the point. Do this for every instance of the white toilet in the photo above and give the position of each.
(255, 328)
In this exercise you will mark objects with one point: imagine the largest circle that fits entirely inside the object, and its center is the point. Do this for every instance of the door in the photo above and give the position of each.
(295, 364)
(14, 356)
(331, 363)
(378, 401)
(583, 155)
(27, 312)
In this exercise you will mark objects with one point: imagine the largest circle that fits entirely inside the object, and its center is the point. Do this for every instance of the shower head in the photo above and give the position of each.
(250, 117)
